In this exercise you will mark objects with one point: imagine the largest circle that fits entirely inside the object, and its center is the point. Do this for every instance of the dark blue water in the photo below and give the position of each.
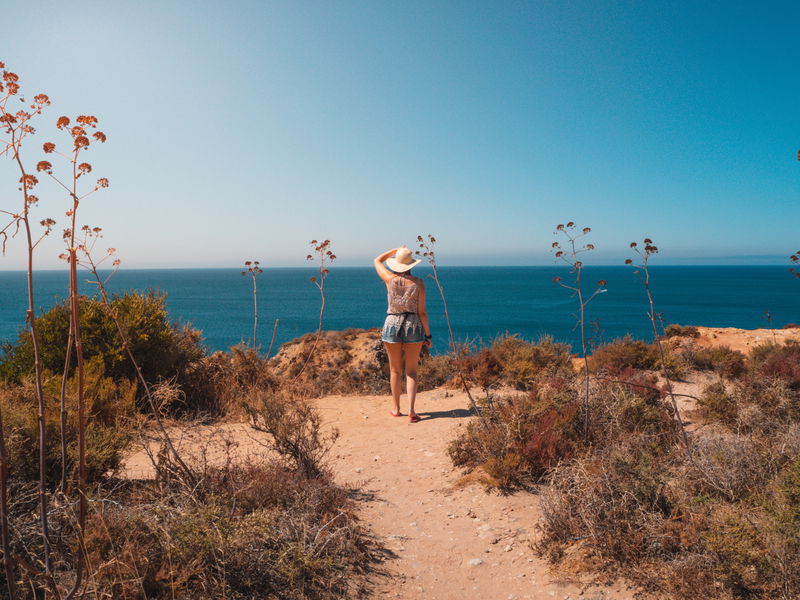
(483, 301)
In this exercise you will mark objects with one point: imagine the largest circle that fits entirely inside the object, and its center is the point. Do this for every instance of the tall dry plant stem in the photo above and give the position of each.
(642, 270)
(252, 268)
(8, 566)
(79, 143)
(569, 254)
(427, 252)
(86, 247)
(272, 341)
(795, 259)
(15, 127)
(324, 257)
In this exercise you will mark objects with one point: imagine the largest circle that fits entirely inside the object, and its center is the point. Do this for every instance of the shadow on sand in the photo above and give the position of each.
(457, 413)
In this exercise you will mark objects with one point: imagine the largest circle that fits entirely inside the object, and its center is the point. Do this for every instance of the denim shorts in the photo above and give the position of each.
(405, 328)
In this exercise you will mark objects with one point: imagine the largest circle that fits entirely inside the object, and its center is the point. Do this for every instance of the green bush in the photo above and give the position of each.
(162, 349)
(110, 409)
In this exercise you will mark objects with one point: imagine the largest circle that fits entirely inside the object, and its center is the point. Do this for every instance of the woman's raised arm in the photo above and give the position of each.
(383, 272)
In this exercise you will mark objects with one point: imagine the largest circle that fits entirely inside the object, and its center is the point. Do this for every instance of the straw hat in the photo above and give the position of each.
(402, 261)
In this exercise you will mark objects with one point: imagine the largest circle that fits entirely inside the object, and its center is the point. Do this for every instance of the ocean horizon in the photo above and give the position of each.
(483, 302)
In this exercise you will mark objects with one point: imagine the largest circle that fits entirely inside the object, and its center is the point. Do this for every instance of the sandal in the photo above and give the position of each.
(415, 418)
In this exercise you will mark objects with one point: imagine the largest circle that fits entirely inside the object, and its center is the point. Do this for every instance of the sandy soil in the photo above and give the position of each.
(446, 539)
(744, 340)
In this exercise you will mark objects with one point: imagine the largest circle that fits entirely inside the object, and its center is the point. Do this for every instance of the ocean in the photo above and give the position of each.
(483, 302)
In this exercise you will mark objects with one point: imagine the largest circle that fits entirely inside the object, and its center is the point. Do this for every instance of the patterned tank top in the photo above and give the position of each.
(402, 298)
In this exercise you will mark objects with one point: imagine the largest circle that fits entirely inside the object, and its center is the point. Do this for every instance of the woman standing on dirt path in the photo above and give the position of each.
(406, 327)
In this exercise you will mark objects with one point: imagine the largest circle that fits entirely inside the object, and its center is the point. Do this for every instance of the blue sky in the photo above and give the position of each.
(244, 129)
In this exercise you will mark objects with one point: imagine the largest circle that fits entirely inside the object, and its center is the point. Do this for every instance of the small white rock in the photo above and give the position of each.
(474, 562)
(508, 548)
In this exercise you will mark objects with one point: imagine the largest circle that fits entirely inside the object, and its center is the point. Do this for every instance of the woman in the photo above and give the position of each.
(406, 327)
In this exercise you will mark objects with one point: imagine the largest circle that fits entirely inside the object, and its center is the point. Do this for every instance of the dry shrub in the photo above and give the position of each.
(218, 384)
(483, 368)
(726, 465)
(525, 436)
(720, 359)
(515, 362)
(625, 353)
(638, 383)
(717, 404)
(295, 429)
(251, 528)
(765, 403)
(249, 531)
(615, 498)
(434, 371)
(721, 521)
(674, 330)
(781, 361)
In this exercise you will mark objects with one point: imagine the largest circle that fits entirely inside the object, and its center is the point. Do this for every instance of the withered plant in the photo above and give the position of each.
(4, 538)
(253, 269)
(324, 256)
(86, 246)
(16, 126)
(427, 252)
(79, 143)
(795, 258)
(642, 270)
(569, 254)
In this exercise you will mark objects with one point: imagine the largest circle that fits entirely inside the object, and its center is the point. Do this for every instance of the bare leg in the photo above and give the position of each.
(395, 353)
(412, 360)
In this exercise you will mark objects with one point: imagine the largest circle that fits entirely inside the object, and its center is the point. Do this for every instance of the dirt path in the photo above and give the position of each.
(446, 540)
(449, 540)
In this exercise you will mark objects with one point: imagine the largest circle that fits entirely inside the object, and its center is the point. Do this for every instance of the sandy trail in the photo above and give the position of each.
(445, 540)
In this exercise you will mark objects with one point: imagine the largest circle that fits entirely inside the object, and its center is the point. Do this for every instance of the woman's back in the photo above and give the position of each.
(403, 295)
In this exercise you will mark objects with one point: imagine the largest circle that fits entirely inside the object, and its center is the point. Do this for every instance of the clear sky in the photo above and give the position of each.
(242, 130)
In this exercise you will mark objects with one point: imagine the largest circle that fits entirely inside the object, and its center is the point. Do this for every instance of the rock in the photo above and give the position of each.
(508, 548)
(474, 562)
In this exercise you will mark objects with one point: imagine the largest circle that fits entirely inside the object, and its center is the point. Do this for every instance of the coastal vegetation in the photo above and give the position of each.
(707, 507)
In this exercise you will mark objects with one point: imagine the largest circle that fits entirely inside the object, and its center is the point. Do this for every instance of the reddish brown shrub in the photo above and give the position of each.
(624, 353)
(781, 361)
(674, 330)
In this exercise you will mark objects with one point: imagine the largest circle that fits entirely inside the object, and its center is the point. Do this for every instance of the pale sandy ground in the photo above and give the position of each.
(446, 540)
(744, 340)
